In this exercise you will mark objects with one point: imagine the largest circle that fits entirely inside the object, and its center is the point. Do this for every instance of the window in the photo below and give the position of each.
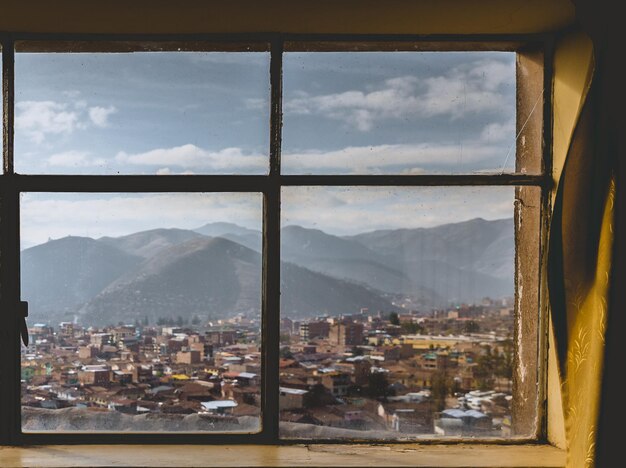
(277, 238)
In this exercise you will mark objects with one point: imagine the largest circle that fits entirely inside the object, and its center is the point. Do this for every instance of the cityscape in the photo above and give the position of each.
(368, 374)
(396, 303)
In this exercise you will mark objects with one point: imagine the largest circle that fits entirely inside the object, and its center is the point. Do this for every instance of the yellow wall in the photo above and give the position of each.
(301, 16)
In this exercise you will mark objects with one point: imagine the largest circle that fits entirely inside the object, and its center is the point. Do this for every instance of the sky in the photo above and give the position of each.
(208, 113)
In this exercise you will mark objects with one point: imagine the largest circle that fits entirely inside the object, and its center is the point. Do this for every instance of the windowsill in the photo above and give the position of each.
(295, 455)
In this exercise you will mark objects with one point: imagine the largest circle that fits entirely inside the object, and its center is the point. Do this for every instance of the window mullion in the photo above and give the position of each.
(271, 256)
(9, 265)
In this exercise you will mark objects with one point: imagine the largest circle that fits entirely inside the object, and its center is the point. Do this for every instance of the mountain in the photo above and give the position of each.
(461, 261)
(58, 277)
(172, 272)
(147, 244)
(248, 237)
(349, 260)
(218, 278)
(305, 293)
(219, 229)
(204, 276)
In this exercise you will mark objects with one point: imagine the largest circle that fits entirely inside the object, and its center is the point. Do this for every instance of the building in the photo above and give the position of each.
(189, 357)
(312, 330)
(346, 334)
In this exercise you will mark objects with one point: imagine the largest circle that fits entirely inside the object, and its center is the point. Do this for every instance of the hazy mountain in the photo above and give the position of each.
(148, 243)
(215, 277)
(60, 275)
(461, 261)
(172, 272)
(305, 293)
(203, 276)
(248, 237)
(219, 229)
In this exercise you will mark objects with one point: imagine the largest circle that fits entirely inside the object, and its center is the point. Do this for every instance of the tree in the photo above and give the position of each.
(180, 321)
(356, 351)
(394, 319)
(440, 388)
(146, 322)
(412, 328)
(195, 320)
(285, 353)
(471, 327)
(378, 385)
(485, 369)
(316, 396)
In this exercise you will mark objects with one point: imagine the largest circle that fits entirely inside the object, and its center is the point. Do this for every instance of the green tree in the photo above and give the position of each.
(285, 353)
(412, 328)
(471, 327)
(195, 320)
(440, 388)
(378, 385)
(356, 351)
(394, 319)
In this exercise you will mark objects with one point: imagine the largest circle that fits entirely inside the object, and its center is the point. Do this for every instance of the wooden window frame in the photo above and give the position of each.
(534, 78)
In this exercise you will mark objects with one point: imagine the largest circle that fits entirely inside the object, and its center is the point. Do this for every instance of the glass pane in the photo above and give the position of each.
(397, 312)
(145, 312)
(142, 113)
(399, 112)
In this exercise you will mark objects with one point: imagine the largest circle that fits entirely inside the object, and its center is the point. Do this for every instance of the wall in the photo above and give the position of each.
(301, 16)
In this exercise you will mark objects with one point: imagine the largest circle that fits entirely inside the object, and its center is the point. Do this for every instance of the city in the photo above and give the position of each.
(371, 374)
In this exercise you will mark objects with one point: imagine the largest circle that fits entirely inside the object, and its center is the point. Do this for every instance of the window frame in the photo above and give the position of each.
(270, 184)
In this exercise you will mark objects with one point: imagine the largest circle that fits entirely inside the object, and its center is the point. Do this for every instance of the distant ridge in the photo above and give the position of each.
(215, 271)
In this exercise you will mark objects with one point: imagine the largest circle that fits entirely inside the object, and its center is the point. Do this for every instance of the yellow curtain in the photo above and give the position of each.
(579, 278)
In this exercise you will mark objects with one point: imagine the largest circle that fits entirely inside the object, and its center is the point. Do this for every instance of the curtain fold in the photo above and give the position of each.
(579, 274)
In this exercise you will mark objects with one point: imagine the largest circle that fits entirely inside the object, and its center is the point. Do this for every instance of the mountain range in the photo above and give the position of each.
(215, 272)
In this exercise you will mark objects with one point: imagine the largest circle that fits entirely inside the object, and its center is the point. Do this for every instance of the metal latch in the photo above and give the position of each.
(22, 311)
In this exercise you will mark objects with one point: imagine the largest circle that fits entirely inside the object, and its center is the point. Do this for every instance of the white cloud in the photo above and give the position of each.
(100, 115)
(465, 89)
(40, 119)
(372, 159)
(37, 119)
(191, 156)
(499, 132)
(74, 159)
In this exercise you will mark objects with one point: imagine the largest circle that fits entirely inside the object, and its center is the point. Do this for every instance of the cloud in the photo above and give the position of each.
(499, 132)
(40, 119)
(37, 119)
(191, 156)
(385, 158)
(466, 89)
(100, 115)
(74, 159)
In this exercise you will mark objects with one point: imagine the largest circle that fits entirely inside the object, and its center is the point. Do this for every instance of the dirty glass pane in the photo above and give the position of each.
(145, 312)
(142, 113)
(399, 112)
(398, 313)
